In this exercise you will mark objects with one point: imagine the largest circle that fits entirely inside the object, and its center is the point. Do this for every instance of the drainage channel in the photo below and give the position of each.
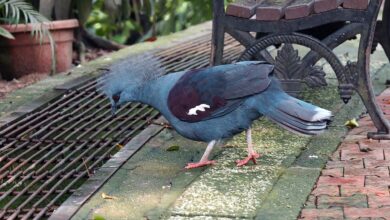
(49, 153)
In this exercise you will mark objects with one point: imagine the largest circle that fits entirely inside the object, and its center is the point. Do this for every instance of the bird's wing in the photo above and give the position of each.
(207, 93)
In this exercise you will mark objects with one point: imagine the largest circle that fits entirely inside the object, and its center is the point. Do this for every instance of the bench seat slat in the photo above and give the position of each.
(271, 10)
(299, 9)
(326, 5)
(243, 8)
(356, 4)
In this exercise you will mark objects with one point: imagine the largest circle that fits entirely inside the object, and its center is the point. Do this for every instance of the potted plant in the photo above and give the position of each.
(30, 43)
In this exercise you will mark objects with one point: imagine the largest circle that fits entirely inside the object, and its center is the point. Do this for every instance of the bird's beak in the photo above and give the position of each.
(114, 107)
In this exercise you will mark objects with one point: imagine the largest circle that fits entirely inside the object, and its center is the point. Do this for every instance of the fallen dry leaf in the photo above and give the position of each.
(105, 196)
(120, 146)
(352, 123)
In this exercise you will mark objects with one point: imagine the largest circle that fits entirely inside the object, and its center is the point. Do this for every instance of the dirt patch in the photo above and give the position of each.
(9, 86)
(94, 53)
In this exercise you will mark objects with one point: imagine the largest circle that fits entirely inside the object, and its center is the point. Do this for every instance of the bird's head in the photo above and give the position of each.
(125, 78)
(119, 98)
(114, 99)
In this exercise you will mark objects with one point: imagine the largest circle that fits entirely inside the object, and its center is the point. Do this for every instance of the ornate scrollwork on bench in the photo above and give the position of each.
(283, 23)
(309, 42)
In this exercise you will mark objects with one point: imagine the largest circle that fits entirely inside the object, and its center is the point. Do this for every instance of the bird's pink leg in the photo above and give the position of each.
(204, 161)
(252, 155)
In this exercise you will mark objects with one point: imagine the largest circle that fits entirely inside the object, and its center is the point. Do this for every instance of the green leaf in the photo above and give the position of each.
(19, 11)
(98, 217)
(6, 34)
(173, 148)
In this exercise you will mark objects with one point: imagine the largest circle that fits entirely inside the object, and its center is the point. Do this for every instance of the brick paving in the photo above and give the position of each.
(355, 183)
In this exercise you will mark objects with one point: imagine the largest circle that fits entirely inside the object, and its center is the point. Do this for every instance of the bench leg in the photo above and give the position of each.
(366, 93)
(218, 33)
(382, 32)
(364, 85)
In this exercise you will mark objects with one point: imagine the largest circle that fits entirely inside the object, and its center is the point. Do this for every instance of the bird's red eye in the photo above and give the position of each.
(115, 98)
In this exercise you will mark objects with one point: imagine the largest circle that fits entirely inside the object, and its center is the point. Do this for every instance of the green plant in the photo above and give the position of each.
(19, 11)
(131, 21)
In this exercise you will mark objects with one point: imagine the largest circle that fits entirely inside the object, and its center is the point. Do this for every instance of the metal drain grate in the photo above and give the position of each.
(46, 155)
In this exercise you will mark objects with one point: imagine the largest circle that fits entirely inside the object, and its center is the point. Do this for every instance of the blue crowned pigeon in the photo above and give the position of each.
(214, 103)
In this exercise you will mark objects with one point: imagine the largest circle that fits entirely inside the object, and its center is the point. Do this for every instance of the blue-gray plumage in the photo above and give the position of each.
(214, 103)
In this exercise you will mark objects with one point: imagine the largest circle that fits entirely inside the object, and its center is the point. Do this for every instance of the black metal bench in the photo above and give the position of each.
(320, 25)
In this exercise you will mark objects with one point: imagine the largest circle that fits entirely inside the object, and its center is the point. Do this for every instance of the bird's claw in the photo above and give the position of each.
(253, 156)
(200, 164)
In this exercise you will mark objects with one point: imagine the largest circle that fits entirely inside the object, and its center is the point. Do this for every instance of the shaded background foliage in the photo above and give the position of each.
(137, 20)
(125, 21)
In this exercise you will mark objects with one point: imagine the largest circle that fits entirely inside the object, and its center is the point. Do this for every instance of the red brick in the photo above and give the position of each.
(380, 171)
(357, 200)
(366, 121)
(352, 154)
(311, 202)
(335, 213)
(369, 143)
(362, 130)
(377, 181)
(326, 190)
(385, 94)
(368, 190)
(354, 138)
(373, 144)
(378, 201)
(387, 154)
(371, 163)
(365, 117)
(335, 172)
(349, 146)
(385, 111)
(346, 163)
(355, 180)
(335, 156)
(367, 212)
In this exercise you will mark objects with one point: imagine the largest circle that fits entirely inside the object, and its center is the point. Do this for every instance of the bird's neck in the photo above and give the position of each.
(155, 93)
(150, 94)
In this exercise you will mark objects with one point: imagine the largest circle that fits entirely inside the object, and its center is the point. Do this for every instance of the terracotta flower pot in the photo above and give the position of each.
(26, 54)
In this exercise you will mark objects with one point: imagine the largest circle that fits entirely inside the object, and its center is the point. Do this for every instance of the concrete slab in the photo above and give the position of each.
(148, 183)
(225, 190)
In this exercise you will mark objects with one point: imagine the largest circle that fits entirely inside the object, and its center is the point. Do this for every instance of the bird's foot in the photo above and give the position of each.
(253, 156)
(200, 164)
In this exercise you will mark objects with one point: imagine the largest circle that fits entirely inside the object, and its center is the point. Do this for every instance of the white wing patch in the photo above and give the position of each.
(201, 107)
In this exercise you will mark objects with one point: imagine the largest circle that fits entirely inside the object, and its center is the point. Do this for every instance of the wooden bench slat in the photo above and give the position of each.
(243, 8)
(271, 10)
(299, 9)
(326, 5)
(355, 4)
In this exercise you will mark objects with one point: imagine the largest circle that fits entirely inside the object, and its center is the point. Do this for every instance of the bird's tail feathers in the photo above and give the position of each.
(296, 115)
